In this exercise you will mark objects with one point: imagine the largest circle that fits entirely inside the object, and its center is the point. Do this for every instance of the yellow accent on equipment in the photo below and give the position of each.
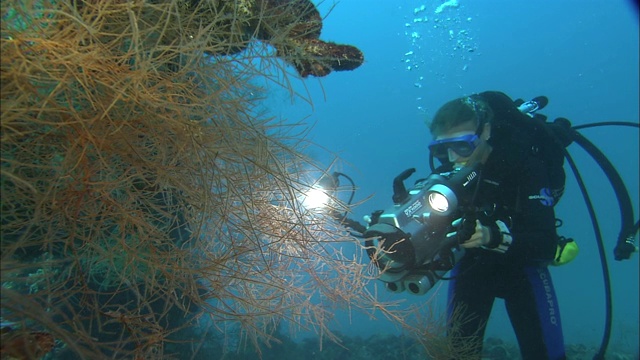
(567, 251)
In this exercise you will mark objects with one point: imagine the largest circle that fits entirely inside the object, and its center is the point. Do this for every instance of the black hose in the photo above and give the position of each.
(603, 260)
(624, 245)
(606, 123)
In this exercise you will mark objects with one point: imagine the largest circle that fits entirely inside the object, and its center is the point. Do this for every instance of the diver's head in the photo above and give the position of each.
(460, 130)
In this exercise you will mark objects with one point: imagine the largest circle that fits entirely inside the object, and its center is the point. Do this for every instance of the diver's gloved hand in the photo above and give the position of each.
(480, 235)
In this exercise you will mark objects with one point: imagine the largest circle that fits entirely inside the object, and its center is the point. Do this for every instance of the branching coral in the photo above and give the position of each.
(143, 189)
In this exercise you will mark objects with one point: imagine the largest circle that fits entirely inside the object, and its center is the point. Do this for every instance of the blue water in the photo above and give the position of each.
(583, 55)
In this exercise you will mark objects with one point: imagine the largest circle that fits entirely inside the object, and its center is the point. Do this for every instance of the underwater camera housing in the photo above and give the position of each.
(408, 241)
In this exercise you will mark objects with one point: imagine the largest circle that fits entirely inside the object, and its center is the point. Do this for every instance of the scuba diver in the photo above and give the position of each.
(514, 233)
(487, 215)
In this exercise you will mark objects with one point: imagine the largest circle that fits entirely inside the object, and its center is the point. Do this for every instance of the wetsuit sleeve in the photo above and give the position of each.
(526, 232)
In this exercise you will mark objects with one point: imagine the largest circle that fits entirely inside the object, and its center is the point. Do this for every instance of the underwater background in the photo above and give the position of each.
(582, 55)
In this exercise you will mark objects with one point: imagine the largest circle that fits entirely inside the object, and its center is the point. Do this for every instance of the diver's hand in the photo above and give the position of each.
(468, 235)
(480, 237)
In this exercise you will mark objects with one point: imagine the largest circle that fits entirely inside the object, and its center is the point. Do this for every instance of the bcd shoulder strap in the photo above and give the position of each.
(517, 137)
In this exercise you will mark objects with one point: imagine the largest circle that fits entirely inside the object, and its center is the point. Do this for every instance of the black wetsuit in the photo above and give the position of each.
(518, 207)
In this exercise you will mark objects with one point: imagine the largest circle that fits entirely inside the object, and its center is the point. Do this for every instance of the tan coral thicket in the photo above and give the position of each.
(141, 189)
